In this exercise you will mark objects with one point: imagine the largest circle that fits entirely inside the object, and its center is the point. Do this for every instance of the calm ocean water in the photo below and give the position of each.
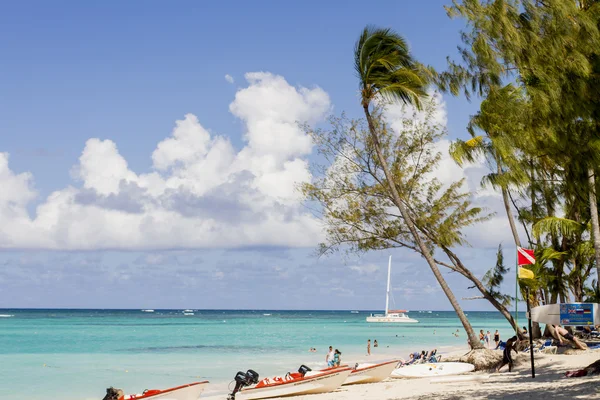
(76, 354)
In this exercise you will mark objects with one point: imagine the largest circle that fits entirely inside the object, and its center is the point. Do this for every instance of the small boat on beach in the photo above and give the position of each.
(368, 372)
(391, 316)
(371, 372)
(429, 370)
(191, 391)
(305, 381)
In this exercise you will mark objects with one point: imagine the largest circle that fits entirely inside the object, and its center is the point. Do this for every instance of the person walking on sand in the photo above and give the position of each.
(497, 338)
(369, 347)
(481, 336)
(511, 344)
(329, 357)
(487, 339)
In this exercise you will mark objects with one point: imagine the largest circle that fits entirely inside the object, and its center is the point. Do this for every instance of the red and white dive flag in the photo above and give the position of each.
(525, 256)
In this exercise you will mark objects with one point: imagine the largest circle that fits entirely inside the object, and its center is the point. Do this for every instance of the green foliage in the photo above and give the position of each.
(494, 277)
(353, 195)
(537, 65)
(385, 68)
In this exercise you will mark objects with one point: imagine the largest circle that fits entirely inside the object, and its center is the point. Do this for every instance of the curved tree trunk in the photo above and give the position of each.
(473, 339)
(464, 271)
(595, 225)
(509, 215)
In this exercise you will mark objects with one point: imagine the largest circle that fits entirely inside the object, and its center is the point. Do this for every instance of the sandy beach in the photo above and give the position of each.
(549, 383)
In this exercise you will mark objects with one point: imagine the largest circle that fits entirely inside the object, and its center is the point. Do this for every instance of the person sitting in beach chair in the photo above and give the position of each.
(591, 332)
(562, 334)
(432, 357)
(412, 358)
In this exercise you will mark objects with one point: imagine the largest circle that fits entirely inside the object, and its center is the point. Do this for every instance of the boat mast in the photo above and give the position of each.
(387, 294)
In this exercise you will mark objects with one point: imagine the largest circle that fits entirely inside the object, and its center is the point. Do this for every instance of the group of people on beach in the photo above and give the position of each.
(485, 338)
(422, 357)
(375, 344)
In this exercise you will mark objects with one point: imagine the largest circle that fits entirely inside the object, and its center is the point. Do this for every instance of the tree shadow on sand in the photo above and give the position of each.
(549, 383)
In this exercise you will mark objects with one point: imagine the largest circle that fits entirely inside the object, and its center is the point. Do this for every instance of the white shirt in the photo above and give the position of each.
(330, 356)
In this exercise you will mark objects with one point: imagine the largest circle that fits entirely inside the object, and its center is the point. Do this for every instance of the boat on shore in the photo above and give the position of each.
(371, 372)
(305, 381)
(191, 391)
(429, 370)
(391, 316)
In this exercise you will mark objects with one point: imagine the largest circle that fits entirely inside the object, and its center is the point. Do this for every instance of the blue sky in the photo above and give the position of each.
(90, 89)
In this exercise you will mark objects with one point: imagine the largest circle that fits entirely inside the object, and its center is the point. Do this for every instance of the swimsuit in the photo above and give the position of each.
(496, 338)
(506, 357)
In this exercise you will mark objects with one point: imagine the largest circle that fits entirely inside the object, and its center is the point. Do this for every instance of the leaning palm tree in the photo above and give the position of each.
(386, 70)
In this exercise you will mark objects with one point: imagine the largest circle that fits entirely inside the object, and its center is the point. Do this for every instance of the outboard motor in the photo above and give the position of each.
(113, 394)
(303, 370)
(242, 379)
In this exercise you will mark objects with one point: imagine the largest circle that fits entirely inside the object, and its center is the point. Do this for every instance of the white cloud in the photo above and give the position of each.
(202, 192)
(229, 78)
(367, 269)
(486, 234)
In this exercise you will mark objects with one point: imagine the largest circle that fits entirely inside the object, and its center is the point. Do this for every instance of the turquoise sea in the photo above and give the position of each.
(77, 354)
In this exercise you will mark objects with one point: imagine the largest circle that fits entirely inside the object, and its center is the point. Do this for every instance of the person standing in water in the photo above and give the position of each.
(497, 338)
(329, 357)
(337, 358)
(369, 347)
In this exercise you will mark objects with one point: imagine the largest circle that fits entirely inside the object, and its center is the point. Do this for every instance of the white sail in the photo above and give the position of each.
(393, 316)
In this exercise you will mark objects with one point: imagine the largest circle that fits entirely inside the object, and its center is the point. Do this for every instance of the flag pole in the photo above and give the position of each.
(530, 334)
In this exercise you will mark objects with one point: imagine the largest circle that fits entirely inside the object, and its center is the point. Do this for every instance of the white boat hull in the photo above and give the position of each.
(429, 370)
(395, 320)
(370, 373)
(315, 382)
(187, 392)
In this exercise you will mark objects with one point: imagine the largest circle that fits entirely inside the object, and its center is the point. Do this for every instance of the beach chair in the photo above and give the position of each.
(546, 348)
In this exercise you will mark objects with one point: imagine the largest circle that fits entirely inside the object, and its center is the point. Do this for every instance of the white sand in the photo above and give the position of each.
(518, 384)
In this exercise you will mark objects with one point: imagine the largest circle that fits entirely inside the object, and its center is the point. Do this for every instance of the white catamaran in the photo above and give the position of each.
(391, 316)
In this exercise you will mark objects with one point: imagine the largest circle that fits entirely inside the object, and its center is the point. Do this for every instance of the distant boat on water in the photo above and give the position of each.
(391, 316)
(188, 312)
(354, 312)
(147, 310)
